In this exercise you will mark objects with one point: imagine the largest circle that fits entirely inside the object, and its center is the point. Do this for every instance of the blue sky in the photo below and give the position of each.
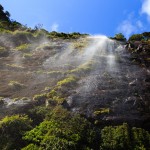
(86, 16)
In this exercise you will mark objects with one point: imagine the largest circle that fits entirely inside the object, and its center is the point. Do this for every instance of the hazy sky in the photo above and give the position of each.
(86, 16)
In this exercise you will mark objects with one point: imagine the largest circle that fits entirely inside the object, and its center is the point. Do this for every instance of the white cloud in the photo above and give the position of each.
(146, 8)
(131, 25)
(139, 24)
(127, 28)
(55, 27)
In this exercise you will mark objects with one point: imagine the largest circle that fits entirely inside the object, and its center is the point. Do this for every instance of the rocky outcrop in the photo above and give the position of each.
(140, 52)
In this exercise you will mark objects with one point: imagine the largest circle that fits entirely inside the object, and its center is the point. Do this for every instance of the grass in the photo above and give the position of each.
(102, 111)
(16, 85)
(82, 69)
(3, 51)
(15, 66)
(40, 97)
(23, 48)
(67, 81)
(27, 55)
(54, 73)
(24, 98)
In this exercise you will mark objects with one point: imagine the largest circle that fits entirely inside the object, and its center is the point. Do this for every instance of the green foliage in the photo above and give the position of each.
(136, 37)
(23, 48)
(82, 69)
(54, 73)
(102, 111)
(67, 81)
(11, 131)
(122, 138)
(140, 139)
(22, 37)
(31, 147)
(15, 66)
(62, 131)
(16, 85)
(3, 51)
(40, 97)
(74, 35)
(27, 55)
(56, 96)
(120, 37)
(146, 35)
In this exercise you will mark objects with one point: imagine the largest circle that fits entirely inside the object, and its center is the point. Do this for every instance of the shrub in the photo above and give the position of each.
(123, 138)
(120, 37)
(136, 37)
(11, 131)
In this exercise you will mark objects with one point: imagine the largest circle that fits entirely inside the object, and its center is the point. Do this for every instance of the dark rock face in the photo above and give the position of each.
(115, 83)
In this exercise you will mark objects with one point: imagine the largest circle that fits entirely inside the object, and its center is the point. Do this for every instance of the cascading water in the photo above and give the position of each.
(108, 85)
(107, 79)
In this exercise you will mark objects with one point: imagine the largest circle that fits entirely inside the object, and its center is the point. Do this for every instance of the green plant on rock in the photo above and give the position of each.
(54, 73)
(23, 48)
(16, 85)
(136, 37)
(15, 66)
(102, 111)
(71, 80)
(3, 51)
(119, 37)
(83, 69)
(40, 97)
(27, 55)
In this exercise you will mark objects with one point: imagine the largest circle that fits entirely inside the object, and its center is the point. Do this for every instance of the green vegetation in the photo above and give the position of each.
(16, 85)
(82, 69)
(40, 97)
(15, 66)
(11, 131)
(23, 48)
(102, 111)
(124, 138)
(61, 130)
(24, 98)
(136, 37)
(27, 55)
(3, 51)
(53, 127)
(74, 35)
(54, 73)
(119, 37)
(67, 81)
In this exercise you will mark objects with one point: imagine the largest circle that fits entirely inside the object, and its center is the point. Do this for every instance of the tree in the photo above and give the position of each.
(11, 131)
(124, 138)
(120, 37)
(62, 131)
(146, 35)
(136, 37)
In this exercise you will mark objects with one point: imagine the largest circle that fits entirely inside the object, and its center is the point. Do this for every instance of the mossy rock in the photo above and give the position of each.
(3, 52)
